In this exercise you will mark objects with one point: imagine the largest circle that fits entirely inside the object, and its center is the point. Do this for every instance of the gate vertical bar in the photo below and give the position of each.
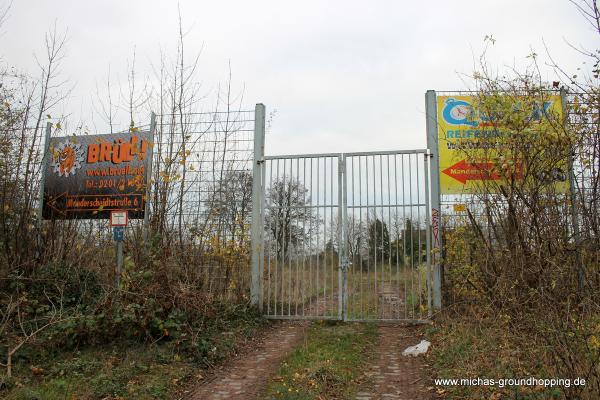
(436, 221)
(426, 161)
(256, 234)
(341, 231)
(261, 253)
(345, 239)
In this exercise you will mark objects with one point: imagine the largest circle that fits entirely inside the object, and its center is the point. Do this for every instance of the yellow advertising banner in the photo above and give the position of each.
(465, 137)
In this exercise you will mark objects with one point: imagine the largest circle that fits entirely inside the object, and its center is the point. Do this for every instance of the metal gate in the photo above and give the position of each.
(345, 236)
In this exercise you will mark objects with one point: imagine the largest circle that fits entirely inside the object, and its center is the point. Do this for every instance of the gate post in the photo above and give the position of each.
(148, 193)
(436, 220)
(257, 229)
(45, 160)
(573, 193)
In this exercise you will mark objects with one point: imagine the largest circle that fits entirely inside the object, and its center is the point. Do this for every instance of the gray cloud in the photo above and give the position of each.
(343, 75)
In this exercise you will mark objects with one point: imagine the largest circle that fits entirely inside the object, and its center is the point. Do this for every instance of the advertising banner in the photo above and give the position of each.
(468, 143)
(87, 177)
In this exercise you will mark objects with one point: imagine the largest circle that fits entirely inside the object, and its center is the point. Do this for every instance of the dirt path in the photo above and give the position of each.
(247, 375)
(389, 376)
(392, 375)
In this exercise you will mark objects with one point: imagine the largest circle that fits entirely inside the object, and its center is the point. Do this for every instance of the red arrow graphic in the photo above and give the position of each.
(52, 204)
(463, 171)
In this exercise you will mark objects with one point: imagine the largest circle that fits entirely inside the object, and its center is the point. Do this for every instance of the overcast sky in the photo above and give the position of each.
(341, 75)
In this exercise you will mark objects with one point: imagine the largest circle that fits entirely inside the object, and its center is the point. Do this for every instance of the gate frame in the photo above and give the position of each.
(258, 214)
(432, 287)
(259, 248)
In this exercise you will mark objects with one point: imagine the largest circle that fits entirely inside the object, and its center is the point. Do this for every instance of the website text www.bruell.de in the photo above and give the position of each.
(505, 382)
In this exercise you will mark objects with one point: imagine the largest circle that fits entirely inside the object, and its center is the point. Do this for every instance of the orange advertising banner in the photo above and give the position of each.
(88, 176)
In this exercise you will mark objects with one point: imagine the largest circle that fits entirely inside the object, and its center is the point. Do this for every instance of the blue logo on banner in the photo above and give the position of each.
(458, 112)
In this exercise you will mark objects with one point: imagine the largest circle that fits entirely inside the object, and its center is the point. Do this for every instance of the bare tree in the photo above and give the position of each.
(236, 205)
(26, 103)
(531, 248)
(288, 219)
(356, 239)
(28, 326)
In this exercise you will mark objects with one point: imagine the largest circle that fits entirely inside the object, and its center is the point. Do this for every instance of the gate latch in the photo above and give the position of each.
(344, 264)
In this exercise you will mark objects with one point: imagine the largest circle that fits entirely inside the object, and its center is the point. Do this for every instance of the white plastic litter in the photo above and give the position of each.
(415, 350)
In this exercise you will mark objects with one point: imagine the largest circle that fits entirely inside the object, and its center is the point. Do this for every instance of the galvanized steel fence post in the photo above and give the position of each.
(257, 230)
(150, 156)
(573, 195)
(40, 209)
(45, 156)
(436, 220)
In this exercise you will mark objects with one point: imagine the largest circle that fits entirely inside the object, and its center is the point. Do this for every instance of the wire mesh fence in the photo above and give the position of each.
(584, 120)
(199, 198)
(201, 194)
(202, 175)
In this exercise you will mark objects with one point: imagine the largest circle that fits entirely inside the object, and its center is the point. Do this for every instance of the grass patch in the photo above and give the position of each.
(327, 365)
(410, 283)
(126, 369)
(129, 370)
(469, 347)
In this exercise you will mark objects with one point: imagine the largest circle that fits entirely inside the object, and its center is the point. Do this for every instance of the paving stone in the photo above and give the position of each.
(392, 376)
(248, 376)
